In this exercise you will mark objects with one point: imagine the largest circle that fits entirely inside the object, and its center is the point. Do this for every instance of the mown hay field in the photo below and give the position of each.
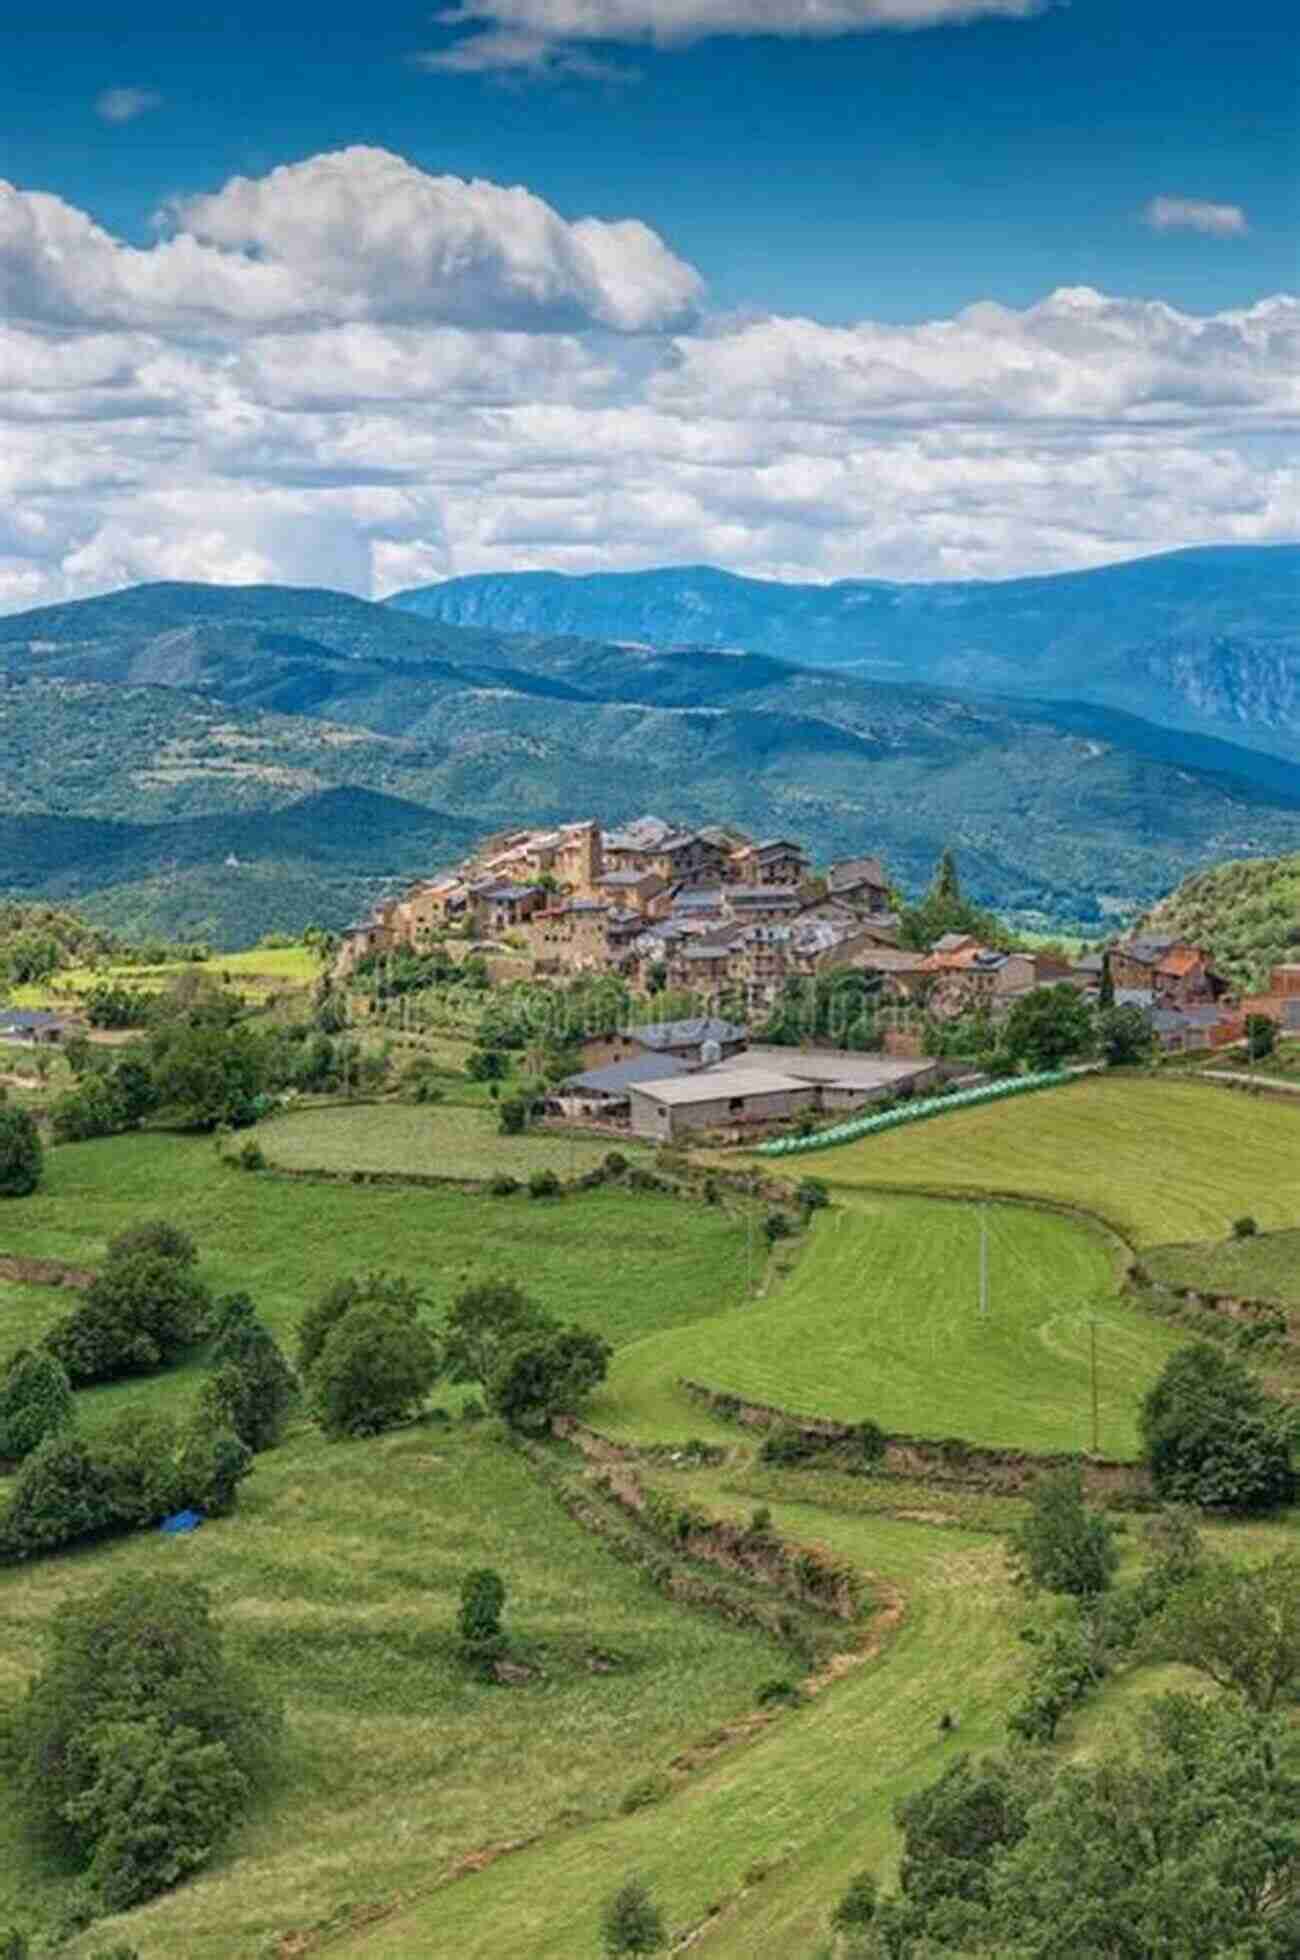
(1160, 1159)
(881, 1318)
(429, 1139)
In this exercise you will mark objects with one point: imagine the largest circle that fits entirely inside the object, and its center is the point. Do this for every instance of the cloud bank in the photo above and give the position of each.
(555, 36)
(351, 373)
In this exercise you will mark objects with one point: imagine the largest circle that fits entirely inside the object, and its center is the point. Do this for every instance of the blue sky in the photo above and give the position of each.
(896, 174)
(805, 288)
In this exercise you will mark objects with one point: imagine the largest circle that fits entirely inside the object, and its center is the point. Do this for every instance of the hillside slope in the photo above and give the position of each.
(175, 712)
(1204, 639)
(1248, 914)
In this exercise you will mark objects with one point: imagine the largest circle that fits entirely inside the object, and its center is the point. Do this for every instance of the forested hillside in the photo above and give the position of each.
(215, 762)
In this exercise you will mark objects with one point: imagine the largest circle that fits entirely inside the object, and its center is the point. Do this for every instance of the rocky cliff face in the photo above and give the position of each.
(1231, 679)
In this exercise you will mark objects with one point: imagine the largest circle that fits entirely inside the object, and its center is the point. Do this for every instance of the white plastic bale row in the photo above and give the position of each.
(914, 1112)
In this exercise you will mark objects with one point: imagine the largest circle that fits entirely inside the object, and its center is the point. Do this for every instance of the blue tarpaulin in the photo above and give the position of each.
(182, 1521)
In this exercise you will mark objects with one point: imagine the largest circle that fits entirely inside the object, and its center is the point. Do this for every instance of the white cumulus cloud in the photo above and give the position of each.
(1195, 214)
(358, 234)
(350, 374)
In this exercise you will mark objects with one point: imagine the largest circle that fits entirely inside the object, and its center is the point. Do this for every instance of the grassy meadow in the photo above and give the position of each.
(880, 1317)
(403, 1775)
(1265, 1267)
(450, 1139)
(260, 970)
(617, 1261)
(1158, 1158)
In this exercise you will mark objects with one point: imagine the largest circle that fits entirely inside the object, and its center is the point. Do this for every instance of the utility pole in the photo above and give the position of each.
(749, 1240)
(984, 1262)
(1093, 1326)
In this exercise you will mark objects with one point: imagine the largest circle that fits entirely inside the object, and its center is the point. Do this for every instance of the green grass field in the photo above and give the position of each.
(337, 1576)
(616, 1261)
(432, 1139)
(338, 1581)
(258, 970)
(1265, 1267)
(1162, 1160)
(881, 1318)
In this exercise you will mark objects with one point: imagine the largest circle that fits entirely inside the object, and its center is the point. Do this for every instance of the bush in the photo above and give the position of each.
(138, 1744)
(631, 1922)
(648, 1790)
(61, 1494)
(543, 1184)
(785, 1445)
(776, 1226)
(141, 1312)
(872, 1440)
(813, 1194)
(502, 1185)
(1062, 1545)
(512, 1114)
(21, 1153)
(251, 1156)
(35, 1402)
(375, 1369)
(615, 1162)
(1244, 1228)
(858, 1906)
(482, 1598)
(1213, 1438)
(549, 1371)
(155, 1236)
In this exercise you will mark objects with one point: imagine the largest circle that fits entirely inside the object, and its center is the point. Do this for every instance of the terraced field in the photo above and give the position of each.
(1265, 1267)
(1162, 1160)
(881, 1317)
(431, 1139)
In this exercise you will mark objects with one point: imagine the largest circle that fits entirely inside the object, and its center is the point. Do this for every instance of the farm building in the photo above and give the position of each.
(715, 1099)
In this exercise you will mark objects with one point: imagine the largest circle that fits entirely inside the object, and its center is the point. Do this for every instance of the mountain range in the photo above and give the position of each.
(220, 761)
(1207, 639)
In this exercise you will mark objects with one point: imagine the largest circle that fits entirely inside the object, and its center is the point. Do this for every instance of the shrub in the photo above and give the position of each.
(872, 1441)
(543, 1184)
(777, 1226)
(141, 1312)
(155, 1236)
(512, 1115)
(615, 1162)
(375, 1369)
(785, 1445)
(647, 1790)
(786, 1694)
(1065, 1671)
(858, 1905)
(813, 1194)
(503, 1185)
(21, 1154)
(549, 1371)
(1062, 1545)
(60, 1494)
(631, 1922)
(138, 1744)
(251, 1156)
(1244, 1227)
(35, 1402)
(482, 1598)
(1213, 1438)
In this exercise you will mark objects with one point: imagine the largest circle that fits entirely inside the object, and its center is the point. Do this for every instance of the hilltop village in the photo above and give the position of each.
(736, 925)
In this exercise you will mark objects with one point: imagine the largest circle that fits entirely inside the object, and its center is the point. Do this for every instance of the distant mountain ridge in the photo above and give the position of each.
(220, 760)
(1206, 639)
